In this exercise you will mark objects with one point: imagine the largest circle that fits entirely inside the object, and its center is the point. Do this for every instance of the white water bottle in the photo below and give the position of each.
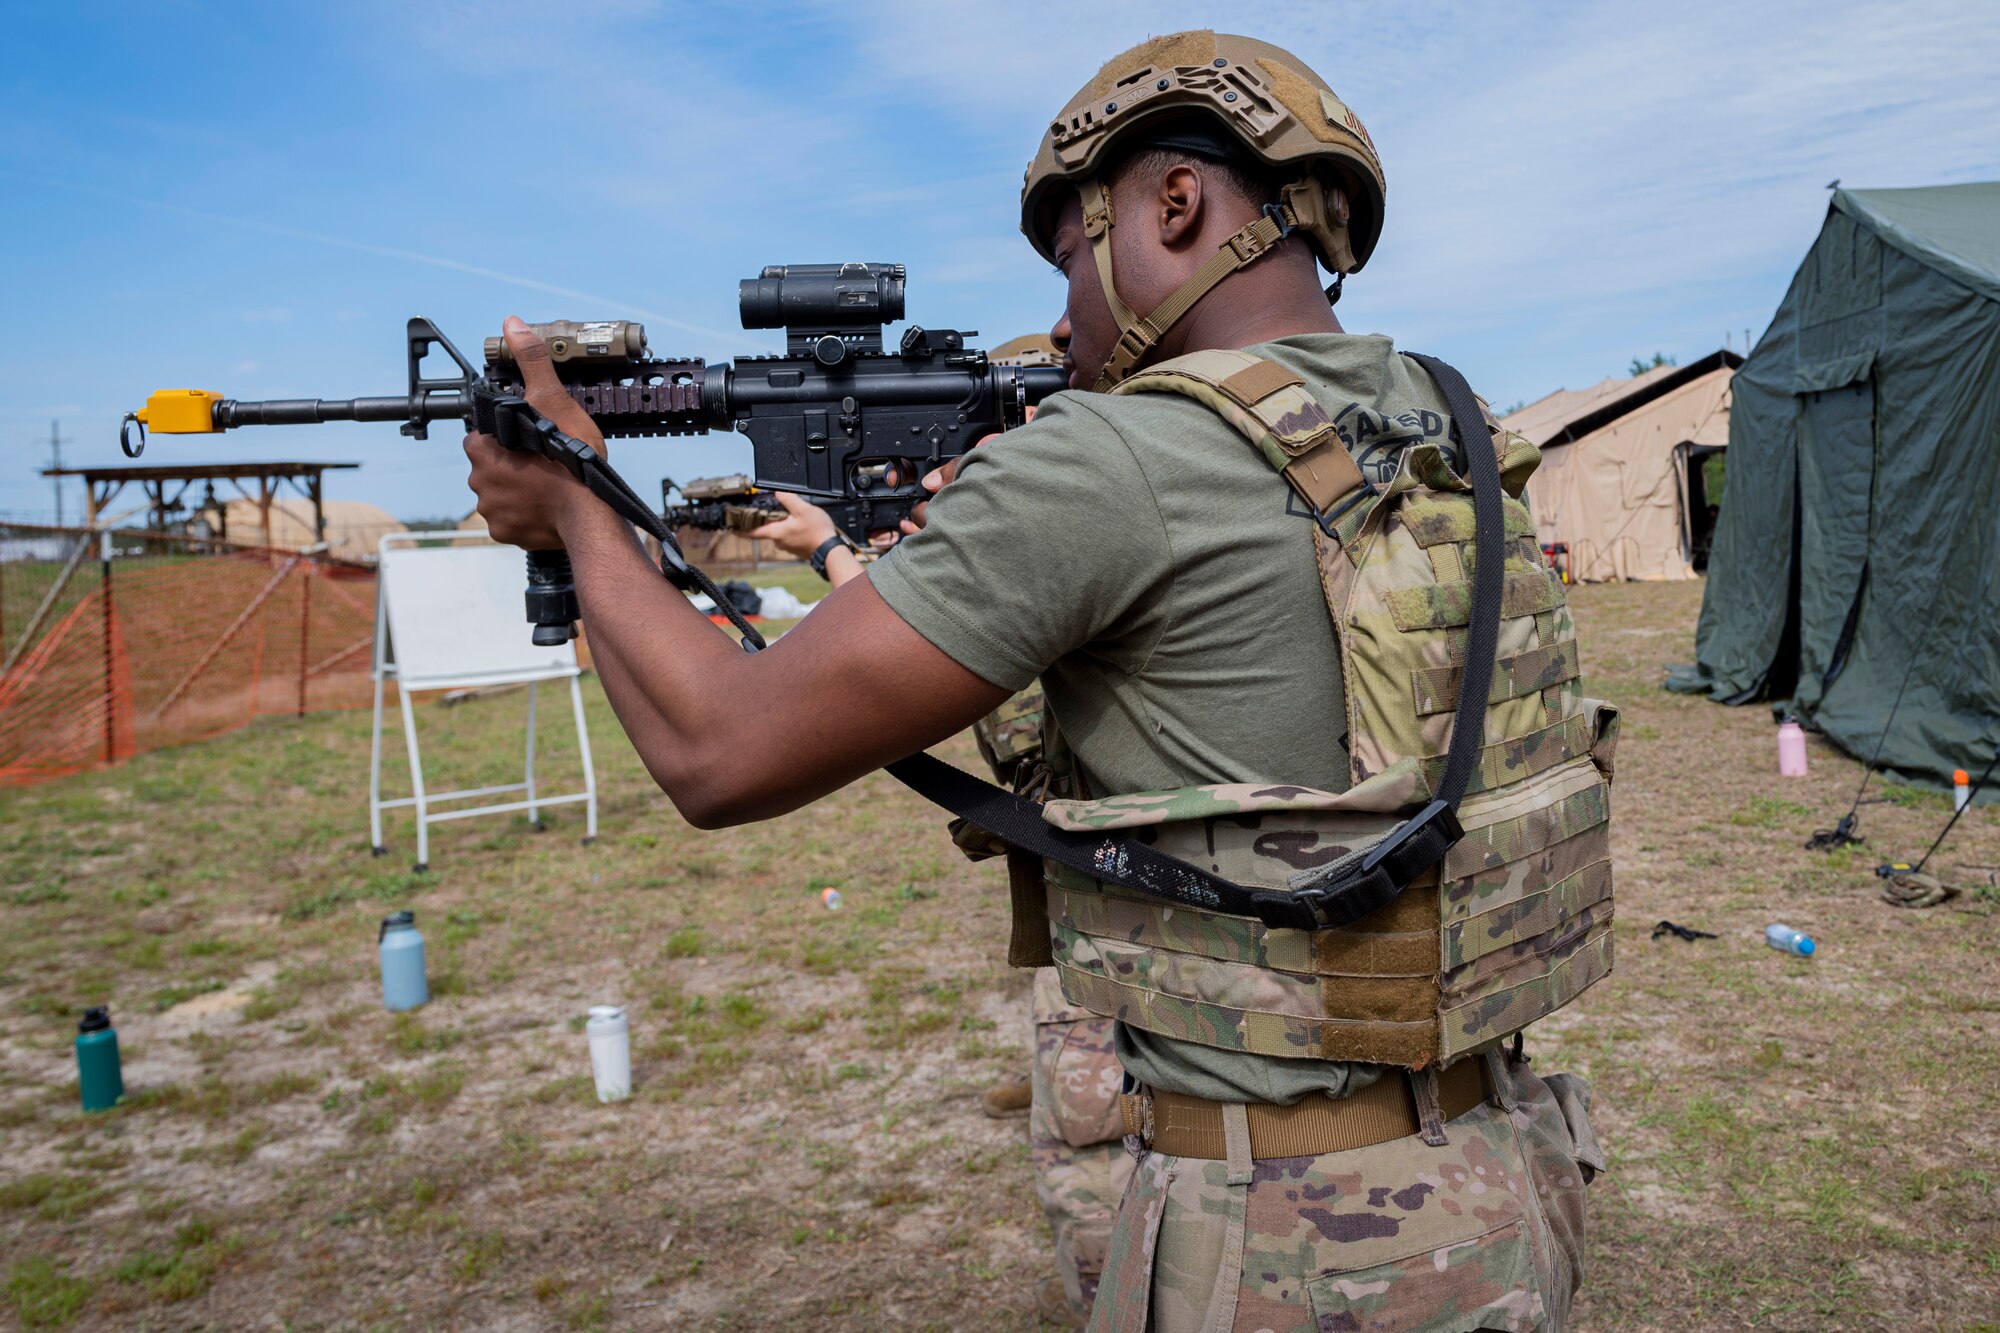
(610, 1052)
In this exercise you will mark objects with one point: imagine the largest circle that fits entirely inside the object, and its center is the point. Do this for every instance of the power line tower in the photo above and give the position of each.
(56, 442)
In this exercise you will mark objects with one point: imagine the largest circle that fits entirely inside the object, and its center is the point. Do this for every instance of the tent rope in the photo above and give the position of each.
(1842, 834)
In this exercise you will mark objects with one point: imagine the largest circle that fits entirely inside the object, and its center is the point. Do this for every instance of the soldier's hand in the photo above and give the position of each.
(935, 481)
(525, 497)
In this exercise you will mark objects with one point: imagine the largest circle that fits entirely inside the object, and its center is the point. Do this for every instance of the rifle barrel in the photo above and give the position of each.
(442, 405)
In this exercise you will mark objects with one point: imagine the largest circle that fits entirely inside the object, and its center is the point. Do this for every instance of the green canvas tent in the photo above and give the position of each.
(1860, 528)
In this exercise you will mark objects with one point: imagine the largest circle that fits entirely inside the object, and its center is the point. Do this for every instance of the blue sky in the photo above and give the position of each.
(253, 198)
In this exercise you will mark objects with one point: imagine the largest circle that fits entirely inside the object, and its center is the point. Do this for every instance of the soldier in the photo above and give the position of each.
(1319, 891)
(1075, 1133)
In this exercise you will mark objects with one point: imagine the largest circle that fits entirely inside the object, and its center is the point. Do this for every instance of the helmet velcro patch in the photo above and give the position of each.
(1194, 47)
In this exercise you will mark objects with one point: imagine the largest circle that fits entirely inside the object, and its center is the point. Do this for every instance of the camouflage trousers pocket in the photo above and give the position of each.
(1077, 1076)
(1487, 1280)
(1573, 1098)
(1551, 1116)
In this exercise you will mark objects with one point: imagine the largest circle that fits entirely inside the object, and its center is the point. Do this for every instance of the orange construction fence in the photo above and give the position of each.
(119, 642)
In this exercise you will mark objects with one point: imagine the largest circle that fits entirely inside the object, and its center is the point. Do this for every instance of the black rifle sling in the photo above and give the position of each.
(1489, 549)
(1108, 856)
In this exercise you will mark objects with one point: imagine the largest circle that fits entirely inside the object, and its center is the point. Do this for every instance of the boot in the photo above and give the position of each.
(1009, 1099)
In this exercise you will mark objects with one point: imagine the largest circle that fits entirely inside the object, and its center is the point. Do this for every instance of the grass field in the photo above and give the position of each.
(1795, 1145)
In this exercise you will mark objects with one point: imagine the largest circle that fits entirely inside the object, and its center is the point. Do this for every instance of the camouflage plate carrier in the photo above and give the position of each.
(1521, 922)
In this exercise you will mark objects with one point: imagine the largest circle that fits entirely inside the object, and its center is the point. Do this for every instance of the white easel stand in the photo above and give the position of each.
(448, 619)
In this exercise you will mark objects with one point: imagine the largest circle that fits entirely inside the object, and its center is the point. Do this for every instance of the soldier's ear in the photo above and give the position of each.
(1178, 203)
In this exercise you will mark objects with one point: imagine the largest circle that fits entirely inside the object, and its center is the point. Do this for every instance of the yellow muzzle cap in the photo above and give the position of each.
(179, 412)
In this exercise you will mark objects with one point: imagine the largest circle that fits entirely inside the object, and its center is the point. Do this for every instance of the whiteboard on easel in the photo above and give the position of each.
(458, 614)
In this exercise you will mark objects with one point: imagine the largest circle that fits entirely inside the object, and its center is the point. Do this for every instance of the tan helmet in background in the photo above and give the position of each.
(1030, 349)
(1177, 91)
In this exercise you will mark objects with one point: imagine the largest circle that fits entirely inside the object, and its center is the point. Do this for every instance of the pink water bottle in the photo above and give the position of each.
(1791, 748)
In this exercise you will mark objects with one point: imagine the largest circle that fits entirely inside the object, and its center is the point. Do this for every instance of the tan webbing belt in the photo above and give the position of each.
(1381, 1112)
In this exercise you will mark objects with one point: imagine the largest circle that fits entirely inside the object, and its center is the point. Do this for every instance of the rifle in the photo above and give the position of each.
(837, 418)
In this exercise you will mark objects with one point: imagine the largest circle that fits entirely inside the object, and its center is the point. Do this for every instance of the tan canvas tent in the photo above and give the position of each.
(1621, 491)
(353, 527)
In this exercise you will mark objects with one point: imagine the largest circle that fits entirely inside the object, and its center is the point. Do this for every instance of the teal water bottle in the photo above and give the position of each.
(402, 945)
(97, 1060)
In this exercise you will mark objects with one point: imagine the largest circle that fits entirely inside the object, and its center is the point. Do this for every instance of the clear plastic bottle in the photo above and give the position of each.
(831, 898)
(1786, 940)
(1961, 789)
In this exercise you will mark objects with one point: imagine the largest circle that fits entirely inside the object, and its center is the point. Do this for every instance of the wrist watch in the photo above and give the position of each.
(825, 549)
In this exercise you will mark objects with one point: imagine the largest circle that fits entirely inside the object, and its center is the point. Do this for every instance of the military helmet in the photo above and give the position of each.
(1030, 349)
(1266, 102)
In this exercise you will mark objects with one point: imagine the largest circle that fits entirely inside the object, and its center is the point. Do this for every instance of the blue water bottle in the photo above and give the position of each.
(1786, 940)
(402, 946)
(97, 1068)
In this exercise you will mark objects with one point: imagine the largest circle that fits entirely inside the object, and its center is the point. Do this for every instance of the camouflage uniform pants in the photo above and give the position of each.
(1075, 1135)
(1487, 1232)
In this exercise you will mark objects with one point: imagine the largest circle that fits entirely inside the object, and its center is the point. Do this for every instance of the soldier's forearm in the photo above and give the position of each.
(652, 649)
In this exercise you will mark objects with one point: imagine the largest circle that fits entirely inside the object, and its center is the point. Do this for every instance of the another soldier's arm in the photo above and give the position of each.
(804, 529)
(733, 737)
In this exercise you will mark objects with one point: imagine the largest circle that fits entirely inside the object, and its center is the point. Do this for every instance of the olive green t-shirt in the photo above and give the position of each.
(1140, 556)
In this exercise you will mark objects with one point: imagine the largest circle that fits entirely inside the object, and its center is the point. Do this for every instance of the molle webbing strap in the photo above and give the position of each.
(1259, 380)
(1435, 689)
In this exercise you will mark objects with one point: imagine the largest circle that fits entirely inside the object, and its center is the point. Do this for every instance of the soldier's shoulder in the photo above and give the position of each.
(1154, 428)
(1133, 415)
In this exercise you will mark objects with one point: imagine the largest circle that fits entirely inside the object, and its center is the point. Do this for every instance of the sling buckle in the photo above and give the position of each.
(1416, 844)
(1385, 870)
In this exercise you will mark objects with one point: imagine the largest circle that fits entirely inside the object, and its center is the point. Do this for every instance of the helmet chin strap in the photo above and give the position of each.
(1137, 335)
